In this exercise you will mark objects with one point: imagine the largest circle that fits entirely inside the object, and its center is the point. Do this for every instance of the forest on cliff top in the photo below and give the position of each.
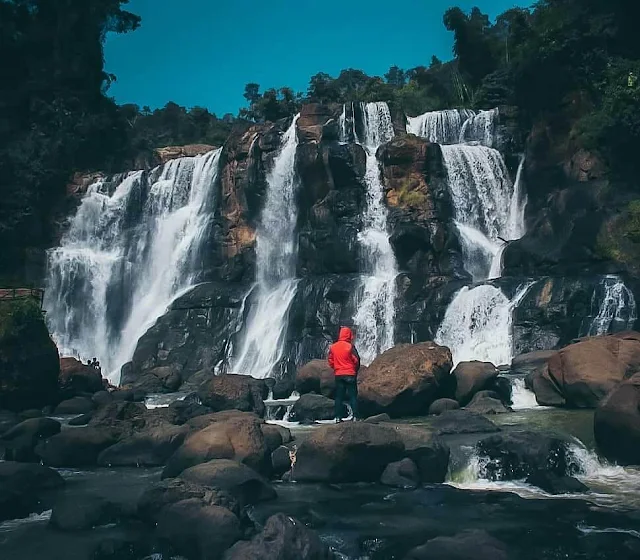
(574, 64)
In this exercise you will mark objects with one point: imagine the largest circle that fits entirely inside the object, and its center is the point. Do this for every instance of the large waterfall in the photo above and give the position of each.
(488, 211)
(131, 249)
(616, 310)
(375, 316)
(262, 342)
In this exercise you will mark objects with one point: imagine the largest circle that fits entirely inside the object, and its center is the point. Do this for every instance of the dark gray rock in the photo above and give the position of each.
(487, 402)
(76, 405)
(442, 405)
(462, 422)
(553, 484)
(281, 460)
(473, 544)
(79, 447)
(401, 474)
(79, 513)
(20, 441)
(310, 408)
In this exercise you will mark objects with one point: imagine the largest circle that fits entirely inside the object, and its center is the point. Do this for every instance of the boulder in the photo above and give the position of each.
(21, 485)
(442, 405)
(29, 362)
(79, 513)
(283, 538)
(20, 441)
(162, 379)
(529, 363)
(452, 422)
(238, 437)
(281, 460)
(76, 377)
(75, 405)
(516, 455)
(503, 388)
(78, 447)
(309, 408)
(401, 474)
(198, 531)
(121, 418)
(81, 420)
(487, 402)
(246, 485)
(347, 452)
(472, 377)
(404, 380)
(239, 392)
(172, 491)
(378, 418)
(316, 377)
(472, 544)
(101, 398)
(582, 374)
(180, 412)
(617, 423)
(554, 484)
(148, 448)
(430, 454)
(275, 436)
(8, 420)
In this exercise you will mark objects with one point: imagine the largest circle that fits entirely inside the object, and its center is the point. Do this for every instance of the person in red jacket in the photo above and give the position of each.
(345, 363)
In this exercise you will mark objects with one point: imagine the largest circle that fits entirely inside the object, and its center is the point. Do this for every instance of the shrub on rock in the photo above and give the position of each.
(239, 392)
(405, 380)
(471, 377)
(282, 538)
(617, 423)
(316, 377)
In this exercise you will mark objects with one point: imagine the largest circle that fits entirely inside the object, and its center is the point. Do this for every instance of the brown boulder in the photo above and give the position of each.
(404, 380)
(316, 377)
(472, 377)
(239, 392)
(581, 375)
(238, 437)
(313, 117)
(442, 405)
(76, 377)
(617, 423)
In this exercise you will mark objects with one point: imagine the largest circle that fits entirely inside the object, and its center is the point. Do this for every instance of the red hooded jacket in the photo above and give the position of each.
(343, 356)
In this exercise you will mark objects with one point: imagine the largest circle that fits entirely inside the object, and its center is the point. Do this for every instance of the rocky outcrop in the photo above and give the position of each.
(582, 374)
(617, 423)
(405, 380)
(76, 377)
(29, 362)
(188, 150)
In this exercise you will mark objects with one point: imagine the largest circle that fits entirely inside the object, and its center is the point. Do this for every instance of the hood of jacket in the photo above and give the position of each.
(345, 334)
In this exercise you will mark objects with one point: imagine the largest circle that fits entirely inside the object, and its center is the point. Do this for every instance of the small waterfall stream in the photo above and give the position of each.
(616, 310)
(263, 337)
(131, 249)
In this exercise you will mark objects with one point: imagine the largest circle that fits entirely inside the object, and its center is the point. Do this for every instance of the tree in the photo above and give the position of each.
(396, 76)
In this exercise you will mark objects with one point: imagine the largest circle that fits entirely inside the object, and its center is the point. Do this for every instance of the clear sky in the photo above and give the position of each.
(203, 52)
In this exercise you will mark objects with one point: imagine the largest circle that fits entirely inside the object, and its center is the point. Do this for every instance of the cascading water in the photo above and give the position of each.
(130, 250)
(479, 128)
(442, 127)
(617, 309)
(375, 317)
(262, 342)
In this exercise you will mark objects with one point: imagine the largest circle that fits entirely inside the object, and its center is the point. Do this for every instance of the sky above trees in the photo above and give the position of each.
(199, 52)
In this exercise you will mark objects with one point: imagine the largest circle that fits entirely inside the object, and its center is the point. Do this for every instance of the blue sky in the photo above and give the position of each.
(203, 52)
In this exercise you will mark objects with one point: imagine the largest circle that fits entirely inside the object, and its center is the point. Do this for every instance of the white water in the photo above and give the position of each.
(478, 325)
(263, 339)
(521, 397)
(617, 310)
(442, 127)
(127, 255)
(375, 317)
(480, 128)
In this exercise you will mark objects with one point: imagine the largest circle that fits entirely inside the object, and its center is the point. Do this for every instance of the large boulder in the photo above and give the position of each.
(582, 374)
(283, 538)
(240, 392)
(246, 485)
(174, 490)
(442, 405)
(76, 377)
(309, 408)
(401, 474)
(148, 448)
(517, 455)
(21, 486)
(428, 452)
(554, 484)
(405, 380)
(20, 441)
(29, 362)
(238, 437)
(347, 452)
(79, 513)
(472, 544)
(487, 402)
(74, 405)
(530, 362)
(77, 447)
(617, 423)
(198, 531)
(472, 377)
(121, 418)
(8, 420)
(316, 377)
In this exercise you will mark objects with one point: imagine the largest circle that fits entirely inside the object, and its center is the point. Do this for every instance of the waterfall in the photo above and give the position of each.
(375, 316)
(479, 128)
(131, 249)
(442, 127)
(617, 310)
(478, 325)
(263, 339)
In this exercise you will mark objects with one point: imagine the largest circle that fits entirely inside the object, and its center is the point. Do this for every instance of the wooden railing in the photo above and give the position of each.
(11, 294)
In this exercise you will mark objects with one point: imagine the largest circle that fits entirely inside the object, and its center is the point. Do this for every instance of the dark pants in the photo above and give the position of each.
(346, 384)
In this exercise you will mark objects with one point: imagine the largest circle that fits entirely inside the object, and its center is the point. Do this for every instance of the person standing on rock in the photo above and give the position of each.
(345, 363)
